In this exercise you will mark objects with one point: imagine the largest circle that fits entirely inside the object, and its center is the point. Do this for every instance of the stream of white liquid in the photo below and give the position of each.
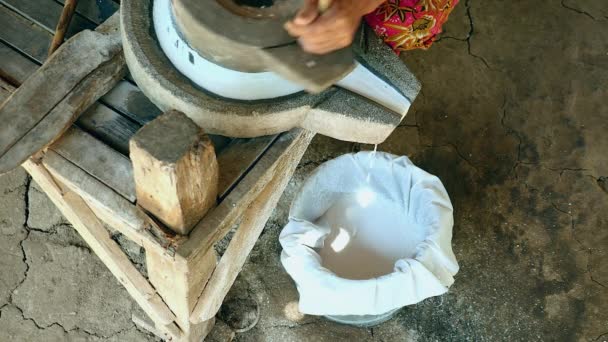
(372, 157)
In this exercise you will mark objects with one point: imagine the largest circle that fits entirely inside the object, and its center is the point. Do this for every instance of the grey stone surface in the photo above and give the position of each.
(13, 187)
(512, 117)
(43, 213)
(70, 286)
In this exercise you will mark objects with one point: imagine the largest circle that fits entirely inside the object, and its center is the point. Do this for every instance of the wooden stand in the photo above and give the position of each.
(174, 196)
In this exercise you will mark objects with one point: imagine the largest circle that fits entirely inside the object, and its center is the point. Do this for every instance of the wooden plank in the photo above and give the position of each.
(105, 124)
(15, 68)
(42, 108)
(130, 101)
(108, 126)
(96, 12)
(99, 160)
(97, 237)
(45, 13)
(237, 158)
(6, 89)
(219, 220)
(250, 228)
(112, 208)
(175, 170)
(19, 32)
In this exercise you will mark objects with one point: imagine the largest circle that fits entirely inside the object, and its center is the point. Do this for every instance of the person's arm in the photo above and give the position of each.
(332, 30)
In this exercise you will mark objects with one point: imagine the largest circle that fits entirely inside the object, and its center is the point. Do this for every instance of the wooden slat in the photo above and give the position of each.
(19, 32)
(129, 100)
(45, 13)
(98, 238)
(108, 126)
(99, 160)
(112, 208)
(220, 219)
(6, 89)
(250, 228)
(15, 68)
(95, 12)
(237, 158)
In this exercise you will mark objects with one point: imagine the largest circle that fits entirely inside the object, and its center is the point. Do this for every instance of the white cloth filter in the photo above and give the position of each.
(369, 233)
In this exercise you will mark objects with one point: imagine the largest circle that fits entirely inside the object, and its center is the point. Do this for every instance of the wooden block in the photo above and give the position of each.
(80, 72)
(175, 169)
(253, 222)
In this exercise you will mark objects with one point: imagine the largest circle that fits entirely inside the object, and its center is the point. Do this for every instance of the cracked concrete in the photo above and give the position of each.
(512, 117)
(52, 288)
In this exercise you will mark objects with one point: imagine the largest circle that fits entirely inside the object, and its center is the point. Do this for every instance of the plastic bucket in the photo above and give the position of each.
(368, 234)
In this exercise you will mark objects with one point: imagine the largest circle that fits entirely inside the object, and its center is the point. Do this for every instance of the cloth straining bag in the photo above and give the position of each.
(419, 196)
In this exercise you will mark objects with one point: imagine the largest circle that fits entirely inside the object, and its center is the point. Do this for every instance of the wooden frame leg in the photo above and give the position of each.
(180, 282)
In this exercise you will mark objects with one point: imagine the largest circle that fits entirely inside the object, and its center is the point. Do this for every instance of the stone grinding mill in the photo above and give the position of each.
(231, 67)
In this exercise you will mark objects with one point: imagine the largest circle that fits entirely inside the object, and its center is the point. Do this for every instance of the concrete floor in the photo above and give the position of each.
(513, 118)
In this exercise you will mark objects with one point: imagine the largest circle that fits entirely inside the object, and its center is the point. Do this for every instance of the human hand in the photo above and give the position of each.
(334, 29)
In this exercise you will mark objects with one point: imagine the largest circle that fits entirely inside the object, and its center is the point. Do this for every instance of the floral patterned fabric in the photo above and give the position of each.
(410, 24)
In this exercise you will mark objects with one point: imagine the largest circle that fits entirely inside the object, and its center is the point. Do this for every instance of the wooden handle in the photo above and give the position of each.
(62, 26)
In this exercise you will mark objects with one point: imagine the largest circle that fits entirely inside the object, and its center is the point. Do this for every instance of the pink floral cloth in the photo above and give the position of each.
(410, 24)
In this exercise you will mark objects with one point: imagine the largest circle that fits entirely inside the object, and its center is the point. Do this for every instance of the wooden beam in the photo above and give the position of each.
(43, 108)
(175, 169)
(75, 209)
(253, 222)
